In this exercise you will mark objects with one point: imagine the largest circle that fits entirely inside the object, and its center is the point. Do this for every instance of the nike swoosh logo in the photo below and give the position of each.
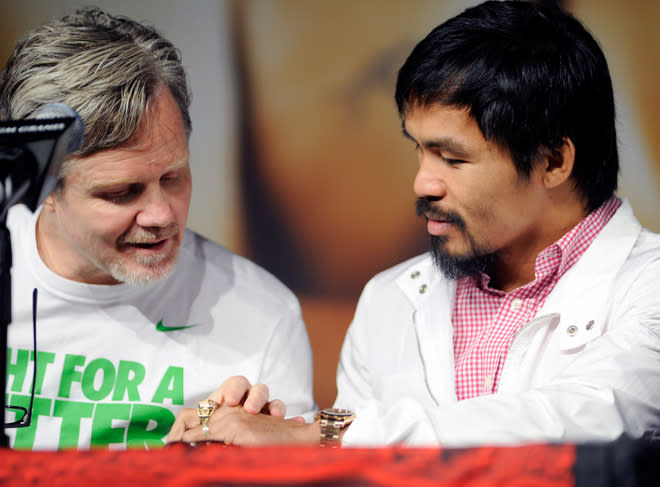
(161, 327)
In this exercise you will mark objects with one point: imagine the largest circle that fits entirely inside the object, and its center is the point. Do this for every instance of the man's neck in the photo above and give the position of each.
(55, 252)
(516, 267)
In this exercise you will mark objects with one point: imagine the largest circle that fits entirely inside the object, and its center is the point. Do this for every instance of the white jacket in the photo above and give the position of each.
(587, 368)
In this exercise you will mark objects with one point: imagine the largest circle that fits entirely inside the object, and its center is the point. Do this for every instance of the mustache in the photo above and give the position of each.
(423, 207)
(146, 235)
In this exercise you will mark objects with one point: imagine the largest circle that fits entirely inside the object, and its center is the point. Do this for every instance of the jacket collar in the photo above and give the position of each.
(418, 279)
(583, 296)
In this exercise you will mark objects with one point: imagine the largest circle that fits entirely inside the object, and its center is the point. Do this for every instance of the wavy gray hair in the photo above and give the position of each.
(108, 68)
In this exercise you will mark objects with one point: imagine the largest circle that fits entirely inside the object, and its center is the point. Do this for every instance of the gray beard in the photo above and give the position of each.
(151, 272)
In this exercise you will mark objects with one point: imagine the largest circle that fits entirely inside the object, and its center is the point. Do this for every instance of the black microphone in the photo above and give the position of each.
(32, 152)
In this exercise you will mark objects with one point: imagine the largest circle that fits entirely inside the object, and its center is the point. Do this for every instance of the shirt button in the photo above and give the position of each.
(516, 304)
(488, 383)
(423, 288)
(415, 275)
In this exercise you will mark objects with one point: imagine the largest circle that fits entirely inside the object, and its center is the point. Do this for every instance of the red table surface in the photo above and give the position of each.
(215, 465)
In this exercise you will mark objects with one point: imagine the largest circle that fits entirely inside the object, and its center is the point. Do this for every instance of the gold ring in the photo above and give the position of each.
(205, 428)
(205, 409)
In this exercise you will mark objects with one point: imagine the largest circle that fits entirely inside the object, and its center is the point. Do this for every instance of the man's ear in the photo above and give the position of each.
(49, 203)
(559, 163)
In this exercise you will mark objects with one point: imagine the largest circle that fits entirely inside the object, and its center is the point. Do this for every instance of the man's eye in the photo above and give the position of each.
(169, 179)
(115, 197)
(120, 196)
(453, 162)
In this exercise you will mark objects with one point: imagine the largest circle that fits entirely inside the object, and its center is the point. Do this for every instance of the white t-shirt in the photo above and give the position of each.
(115, 364)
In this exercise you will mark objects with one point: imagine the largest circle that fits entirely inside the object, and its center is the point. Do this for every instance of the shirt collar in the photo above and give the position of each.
(576, 241)
(561, 255)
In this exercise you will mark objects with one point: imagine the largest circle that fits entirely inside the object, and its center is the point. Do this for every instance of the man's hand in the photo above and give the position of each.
(234, 425)
(235, 391)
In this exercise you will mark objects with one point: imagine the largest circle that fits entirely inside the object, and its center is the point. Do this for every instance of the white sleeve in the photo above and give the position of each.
(287, 369)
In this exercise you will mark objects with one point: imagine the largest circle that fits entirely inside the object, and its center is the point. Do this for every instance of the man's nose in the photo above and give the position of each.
(428, 183)
(156, 210)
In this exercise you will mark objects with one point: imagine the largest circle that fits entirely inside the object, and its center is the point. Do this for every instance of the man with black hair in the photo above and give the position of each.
(536, 315)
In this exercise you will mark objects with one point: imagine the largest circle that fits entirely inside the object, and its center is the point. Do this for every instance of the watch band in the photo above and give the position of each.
(332, 421)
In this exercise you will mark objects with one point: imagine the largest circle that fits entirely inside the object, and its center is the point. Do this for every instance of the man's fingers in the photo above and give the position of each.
(195, 434)
(257, 399)
(177, 430)
(234, 425)
(186, 419)
(232, 391)
(276, 408)
(237, 391)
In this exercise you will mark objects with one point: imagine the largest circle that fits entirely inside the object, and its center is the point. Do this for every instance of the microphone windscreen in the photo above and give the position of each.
(60, 110)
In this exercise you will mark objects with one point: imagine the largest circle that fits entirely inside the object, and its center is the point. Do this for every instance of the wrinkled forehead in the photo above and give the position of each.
(160, 139)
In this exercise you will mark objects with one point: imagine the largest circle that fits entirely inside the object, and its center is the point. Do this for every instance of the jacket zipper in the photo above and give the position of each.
(504, 376)
(421, 356)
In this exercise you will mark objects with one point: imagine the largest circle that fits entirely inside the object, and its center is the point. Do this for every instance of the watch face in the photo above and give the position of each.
(337, 412)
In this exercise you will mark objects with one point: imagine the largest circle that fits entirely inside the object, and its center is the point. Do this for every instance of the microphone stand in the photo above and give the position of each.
(5, 311)
(31, 153)
(14, 162)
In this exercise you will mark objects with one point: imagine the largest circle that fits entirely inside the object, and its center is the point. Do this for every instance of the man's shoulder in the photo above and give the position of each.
(417, 263)
(648, 242)
(645, 252)
(411, 273)
(221, 267)
(18, 216)
(645, 246)
(20, 223)
(200, 250)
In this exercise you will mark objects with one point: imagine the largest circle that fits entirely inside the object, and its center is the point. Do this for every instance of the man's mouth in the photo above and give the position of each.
(438, 222)
(148, 240)
(438, 227)
(435, 215)
(147, 245)
(435, 218)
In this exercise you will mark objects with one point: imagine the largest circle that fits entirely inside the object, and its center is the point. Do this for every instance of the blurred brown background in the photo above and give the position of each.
(298, 161)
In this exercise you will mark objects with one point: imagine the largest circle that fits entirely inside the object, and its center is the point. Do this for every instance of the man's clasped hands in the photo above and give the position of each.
(239, 413)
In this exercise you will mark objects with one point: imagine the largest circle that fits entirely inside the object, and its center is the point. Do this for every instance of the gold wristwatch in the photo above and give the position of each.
(332, 421)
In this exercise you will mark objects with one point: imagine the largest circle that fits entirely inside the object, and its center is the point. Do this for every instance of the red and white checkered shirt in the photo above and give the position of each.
(486, 320)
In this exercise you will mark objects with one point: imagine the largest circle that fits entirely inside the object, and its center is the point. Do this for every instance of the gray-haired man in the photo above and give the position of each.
(136, 315)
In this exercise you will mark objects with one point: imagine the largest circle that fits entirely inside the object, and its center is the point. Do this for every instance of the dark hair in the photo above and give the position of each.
(530, 75)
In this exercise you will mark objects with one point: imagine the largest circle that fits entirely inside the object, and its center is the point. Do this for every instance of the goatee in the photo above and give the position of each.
(477, 260)
(472, 264)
